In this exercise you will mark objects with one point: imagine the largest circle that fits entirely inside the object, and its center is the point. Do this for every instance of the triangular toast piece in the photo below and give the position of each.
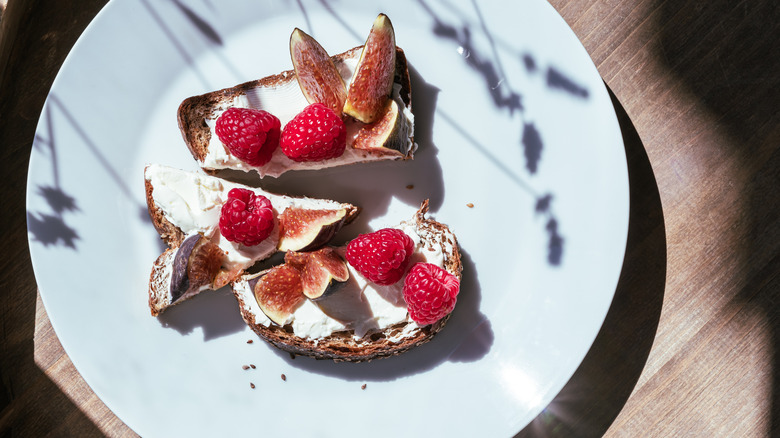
(185, 207)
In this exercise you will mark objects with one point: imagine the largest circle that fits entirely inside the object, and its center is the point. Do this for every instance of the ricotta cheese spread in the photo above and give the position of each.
(192, 201)
(359, 306)
(285, 100)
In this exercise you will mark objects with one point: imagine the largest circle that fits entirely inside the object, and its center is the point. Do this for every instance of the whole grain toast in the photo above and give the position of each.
(197, 113)
(342, 345)
(173, 234)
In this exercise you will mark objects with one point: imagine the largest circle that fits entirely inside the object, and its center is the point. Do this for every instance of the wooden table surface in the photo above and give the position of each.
(691, 344)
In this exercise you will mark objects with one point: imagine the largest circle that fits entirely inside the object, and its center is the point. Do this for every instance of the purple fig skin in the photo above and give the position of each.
(179, 280)
(252, 282)
(390, 133)
(398, 144)
(332, 288)
(324, 236)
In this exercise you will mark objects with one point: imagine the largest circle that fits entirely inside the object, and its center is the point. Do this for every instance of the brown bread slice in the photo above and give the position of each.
(194, 112)
(342, 346)
(173, 235)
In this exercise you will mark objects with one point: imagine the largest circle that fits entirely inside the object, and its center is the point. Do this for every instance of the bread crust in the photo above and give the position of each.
(194, 111)
(342, 346)
(169, 233)
(173, 236)
(159, 294)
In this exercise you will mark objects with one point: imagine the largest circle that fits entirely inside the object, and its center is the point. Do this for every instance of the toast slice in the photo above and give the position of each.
(391, 138)
(184, 208)
(360, 321)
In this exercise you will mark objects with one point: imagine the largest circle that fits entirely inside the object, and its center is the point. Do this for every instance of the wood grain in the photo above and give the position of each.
(691, 342)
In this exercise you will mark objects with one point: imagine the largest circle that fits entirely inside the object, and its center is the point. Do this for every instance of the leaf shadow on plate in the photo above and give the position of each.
(205, 28)
(596, 393)
(486, 61)
(201, 23)
(51, 229)
(37, 377)
(467, 337)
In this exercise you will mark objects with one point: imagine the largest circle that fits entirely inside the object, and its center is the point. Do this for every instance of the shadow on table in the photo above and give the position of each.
(724, 53)
(31, 404)
(591, 400)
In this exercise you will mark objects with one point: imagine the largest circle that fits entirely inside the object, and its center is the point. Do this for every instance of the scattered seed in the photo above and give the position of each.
(410, 186)
(249, 341)
(292, 356)
(245, 367)
(252, 365)
(470, 205)
(363, 387)
(284, 377)
(251, 385)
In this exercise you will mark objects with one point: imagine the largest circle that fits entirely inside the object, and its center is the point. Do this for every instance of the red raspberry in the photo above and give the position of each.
(246, 218)
(252, 135)
(381, 256)
(430, 293)
(316, 133)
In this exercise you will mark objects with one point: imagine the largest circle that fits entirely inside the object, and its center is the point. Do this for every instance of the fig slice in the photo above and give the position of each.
(302, 229)
(279, 292)
(372, 82)
(197, 263)
(387, 135)
(322, 271)
(318, 77)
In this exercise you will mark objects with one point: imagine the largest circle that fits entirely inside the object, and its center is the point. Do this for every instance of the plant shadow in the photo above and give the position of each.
(596, 393)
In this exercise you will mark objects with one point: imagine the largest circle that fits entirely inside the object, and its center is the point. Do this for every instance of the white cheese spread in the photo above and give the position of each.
(359, 306)
(192, 202)
(285, 101)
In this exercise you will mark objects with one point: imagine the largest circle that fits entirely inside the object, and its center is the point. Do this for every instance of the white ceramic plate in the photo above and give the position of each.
(512, 117)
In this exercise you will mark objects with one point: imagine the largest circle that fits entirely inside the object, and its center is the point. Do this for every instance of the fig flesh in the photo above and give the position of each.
(372, 82)
(304, 230)
(387, 135)
(279, 292)
(322, 271)
(317, 76)
(197, 263)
